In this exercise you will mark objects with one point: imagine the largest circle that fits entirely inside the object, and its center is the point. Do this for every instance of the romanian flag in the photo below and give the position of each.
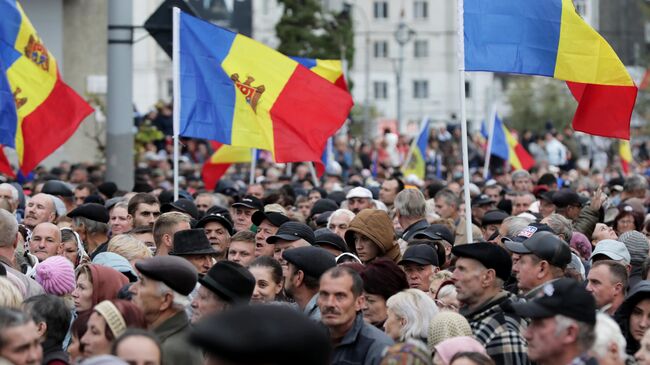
(417, 164)
(625, 153)
(46, 111)
(239, 92)
(506, 146)
(549, 38)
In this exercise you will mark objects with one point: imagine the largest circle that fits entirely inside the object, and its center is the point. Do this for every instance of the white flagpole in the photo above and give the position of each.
(251, 179)
(176, 64)
(488, 151)
(463, 121)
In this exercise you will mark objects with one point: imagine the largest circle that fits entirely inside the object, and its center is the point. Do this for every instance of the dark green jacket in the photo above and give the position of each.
(586, 221)
(173, 336)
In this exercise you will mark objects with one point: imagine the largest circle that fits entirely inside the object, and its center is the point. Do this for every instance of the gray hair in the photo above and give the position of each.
(416, 309)
(515, 225)
(560, 225)
(634, 183)
(8, 228)
(179, 302)
(586, 333)
(346, 212)
(9, 318)
(12, 189)
(520, 174)
(410, 203)
(607, 333)
(213, 198)
(448, 196)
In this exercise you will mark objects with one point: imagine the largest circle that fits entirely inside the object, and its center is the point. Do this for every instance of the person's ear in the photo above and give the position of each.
(166, 301)
(41, 329)
(360, 303)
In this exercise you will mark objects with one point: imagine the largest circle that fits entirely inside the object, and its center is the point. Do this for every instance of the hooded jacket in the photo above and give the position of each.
(377, 226)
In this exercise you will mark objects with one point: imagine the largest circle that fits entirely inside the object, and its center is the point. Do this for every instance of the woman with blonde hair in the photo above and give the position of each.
(10, 296)
(129, 247)
(409, 314)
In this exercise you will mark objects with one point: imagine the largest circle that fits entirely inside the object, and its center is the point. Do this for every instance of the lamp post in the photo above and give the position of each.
(403, 35)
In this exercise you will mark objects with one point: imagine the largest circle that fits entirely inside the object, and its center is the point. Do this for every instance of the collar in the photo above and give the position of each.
(353, 333)
(172, 325)
(312, 305)
(495, 300)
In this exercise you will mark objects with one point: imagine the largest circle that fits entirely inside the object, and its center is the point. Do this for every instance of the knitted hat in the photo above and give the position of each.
(447, 324)
(56, 275)
(637, 245)
(581, 243)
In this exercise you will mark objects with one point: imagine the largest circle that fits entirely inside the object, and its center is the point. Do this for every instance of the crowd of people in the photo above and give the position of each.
(361, 266)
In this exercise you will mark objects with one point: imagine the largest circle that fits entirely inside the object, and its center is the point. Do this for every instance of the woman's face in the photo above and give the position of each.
(393, 325)
(640, 319)
(70, 251)
(83, 293)
(74, 349)
(375, 309)
(265, 288)
(94, 340)
(625, 224)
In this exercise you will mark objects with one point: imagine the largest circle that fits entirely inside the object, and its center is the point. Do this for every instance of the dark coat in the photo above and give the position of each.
(176, 348)
(363, 345)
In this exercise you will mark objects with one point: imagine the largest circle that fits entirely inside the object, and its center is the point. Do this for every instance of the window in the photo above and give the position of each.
(381, 49)
(420, 48)
(380, 89)
(420, 9)
(380, 9)
(468, 89)
(420, 89)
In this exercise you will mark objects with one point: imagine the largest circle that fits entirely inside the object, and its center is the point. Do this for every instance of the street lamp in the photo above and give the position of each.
(403, 35)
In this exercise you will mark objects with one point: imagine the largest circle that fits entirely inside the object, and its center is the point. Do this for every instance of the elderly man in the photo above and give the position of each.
(481, 270)
(410, 211)
(419, 263)
(243, 211)
(9, 193)
(522, 202)
(358, 199)
(90, 221)
(144, 208)
(40, 208)
(46, 241)
(541, 258)
(218, 228)
(165, 227)
(20, 342)
(340, 300)
(267, 225)
(161, 294)
(389, 190)
(193, 246)
(522, 181)
(561, 330)
(8, 244)
(205, 201)
(446, 203)
(339, 221)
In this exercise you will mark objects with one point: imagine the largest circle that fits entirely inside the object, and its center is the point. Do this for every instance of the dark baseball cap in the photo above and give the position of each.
(182, 205)
(565, 197)
(490, 255)
(421, 255)
(545, 245)
(325, 237)
(563, 296)
(436, 232)
(250, 202)
(494, 217)
(93, 211)
(528, 232)
(293, 231)
(276, 219)
(481, 199)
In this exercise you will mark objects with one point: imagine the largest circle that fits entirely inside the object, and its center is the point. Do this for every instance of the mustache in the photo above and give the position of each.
(329, 310)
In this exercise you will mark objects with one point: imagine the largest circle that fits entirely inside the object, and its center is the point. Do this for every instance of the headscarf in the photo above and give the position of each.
(447, 324)
(107, 282)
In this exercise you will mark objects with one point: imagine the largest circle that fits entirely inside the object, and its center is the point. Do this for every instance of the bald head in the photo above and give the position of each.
(39, 209)
(46, 241)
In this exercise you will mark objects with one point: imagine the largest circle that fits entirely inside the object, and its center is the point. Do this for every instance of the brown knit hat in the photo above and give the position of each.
(377, 226)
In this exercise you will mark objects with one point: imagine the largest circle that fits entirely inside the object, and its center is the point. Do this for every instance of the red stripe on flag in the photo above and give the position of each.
(5, 166)
(526, 160)
(603, 110)
(212, 172)
(51, 124)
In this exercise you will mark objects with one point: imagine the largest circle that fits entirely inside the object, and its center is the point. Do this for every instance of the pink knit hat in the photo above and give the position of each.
(56, 275)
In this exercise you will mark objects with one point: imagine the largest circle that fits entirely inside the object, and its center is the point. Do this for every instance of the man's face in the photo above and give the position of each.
(489, 230)
(243, 218)
(601, 285)
(206, 302)
(241, 252)
(202, 263)
(218, 236)
(388, 191)
(314, 196)
(120, 220)
(358, 204)
(526, 270)
(5, 194)
(543, 341)
(523, 184)
(22, 345)
(602, 232)
(203, 203)
(337, 303)
(146, 295)
(479, 211)
(467, 279)
(339, 224)
(493, 194)
(445, 210)
(521, 204)
(419, 276)
(546, 208)
(80, 195)
(304, 208)
(46, 241)
(366, 249)
(147, 239)
(39, 209)
(264, 231)
(256, 191)
(146, 214)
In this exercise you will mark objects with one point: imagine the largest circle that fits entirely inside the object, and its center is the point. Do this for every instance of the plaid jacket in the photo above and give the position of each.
(499, 331)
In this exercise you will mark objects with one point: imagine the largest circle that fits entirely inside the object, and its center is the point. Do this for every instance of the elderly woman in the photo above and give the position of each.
(109, 320)
(381, 280)
(627, 220)
(409, 315)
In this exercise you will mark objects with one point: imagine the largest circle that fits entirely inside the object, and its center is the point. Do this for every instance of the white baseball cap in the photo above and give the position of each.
(359, 192)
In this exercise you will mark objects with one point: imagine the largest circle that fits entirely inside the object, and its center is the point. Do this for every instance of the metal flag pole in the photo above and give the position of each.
(488, 150)
(463, 122)
(177, 100)
(251, 179)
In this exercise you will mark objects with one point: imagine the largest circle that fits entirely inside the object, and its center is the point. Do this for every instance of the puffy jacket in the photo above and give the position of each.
(377, 226)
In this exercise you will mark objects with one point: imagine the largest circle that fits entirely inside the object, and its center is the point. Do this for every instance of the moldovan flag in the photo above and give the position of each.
(549, 38)
(46, 111)
(625, 153)
(234, 90)
(507, 147)
(417, 164)
(222, 158)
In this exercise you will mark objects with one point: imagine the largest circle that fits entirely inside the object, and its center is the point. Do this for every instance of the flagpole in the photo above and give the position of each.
(177, 102)
(488, 150)
(463, 121)
(251, 179)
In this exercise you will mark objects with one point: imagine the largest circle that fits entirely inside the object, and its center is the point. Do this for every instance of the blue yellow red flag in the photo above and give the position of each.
(47, 111)
(417, 165)
(549, 38)
(507, 147)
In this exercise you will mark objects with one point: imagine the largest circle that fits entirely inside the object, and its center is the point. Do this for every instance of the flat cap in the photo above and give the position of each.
(183, 205)
(175, 272)
(293, 231)
(276, 219)
(57, 187)
(490, 255)
(251, 335)
(325, 237)
(545, 245)
(230, 281)
(93, 211)
(250, 202)
(322, 206)
(421, 255)
(313, 261)
(494, 217)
